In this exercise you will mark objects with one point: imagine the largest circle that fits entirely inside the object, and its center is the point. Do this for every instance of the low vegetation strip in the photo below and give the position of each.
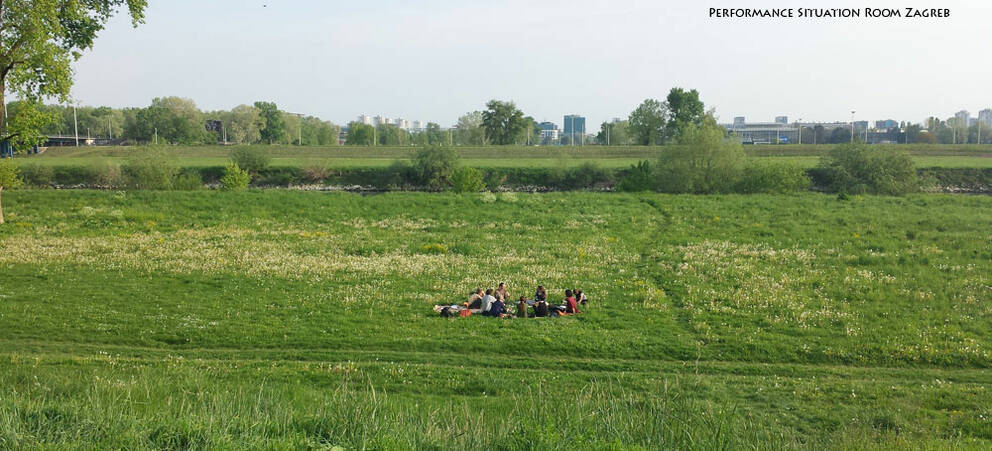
(177, 319)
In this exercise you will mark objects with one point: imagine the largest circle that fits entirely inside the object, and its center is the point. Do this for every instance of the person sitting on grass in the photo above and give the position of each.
(475, 301)
(541, 309)
(522, 307)
(496, 310)
(502, 292)
(541, 294)
(581, 297)
(570, 307)
(487, 301)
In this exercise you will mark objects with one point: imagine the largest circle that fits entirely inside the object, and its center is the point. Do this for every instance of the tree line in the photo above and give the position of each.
(177, 120)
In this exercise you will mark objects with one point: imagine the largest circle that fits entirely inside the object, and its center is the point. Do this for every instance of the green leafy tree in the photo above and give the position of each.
(530, 133)
(503, 122)
(360, 134)
(433, 134)
(173, 120)
(647, 122)
(39, 40)
(613, 134)
(273, 126)
(253, 159)
(705, 161)
(684, 108)
(244, 125)
(10, 179)
(469, 130)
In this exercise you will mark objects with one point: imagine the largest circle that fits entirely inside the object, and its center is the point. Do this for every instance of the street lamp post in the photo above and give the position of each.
(799, 123)
(852, 126)
(75, 124)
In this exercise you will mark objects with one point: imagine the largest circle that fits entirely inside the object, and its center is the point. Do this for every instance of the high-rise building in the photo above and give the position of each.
(985, 117)
(739, 121)
(574, 125)
(418, 126)
(963, 117)
(781, 119)
(365, 119)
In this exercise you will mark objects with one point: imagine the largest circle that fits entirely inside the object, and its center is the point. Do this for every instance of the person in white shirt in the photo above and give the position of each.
(487, 300)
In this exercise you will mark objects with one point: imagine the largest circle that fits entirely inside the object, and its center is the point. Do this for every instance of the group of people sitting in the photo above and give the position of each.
(495, 303)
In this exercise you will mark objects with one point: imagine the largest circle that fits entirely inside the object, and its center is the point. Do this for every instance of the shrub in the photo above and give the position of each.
(495, 179)
(235, 178)
(467, 180)
(772, 178)
(638, 178)
(316, 173)
(149, 170)
(38, 175)
(587, 175)
(857, 169)
(250, 158)
(705, 161)
(188, 182)
(105, 174)
(435, 166)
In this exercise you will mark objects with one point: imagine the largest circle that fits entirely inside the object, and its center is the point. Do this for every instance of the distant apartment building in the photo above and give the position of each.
(781, 119)
(417, 126)
(963, 117)
(739, 121)
(985, 117)
(365, 119)
(402, 124)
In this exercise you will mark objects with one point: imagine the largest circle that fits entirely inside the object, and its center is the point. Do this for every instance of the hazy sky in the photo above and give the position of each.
(434, 60)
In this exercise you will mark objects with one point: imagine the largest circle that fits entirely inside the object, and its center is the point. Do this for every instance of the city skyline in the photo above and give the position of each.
(441, 59)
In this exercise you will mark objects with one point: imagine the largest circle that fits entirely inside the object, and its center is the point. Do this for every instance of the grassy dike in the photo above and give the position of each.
(302, 320)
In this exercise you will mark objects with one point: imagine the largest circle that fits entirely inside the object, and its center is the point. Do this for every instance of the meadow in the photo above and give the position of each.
(285, 319)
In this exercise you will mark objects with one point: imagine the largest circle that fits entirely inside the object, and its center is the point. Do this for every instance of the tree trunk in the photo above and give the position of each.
(1, 205)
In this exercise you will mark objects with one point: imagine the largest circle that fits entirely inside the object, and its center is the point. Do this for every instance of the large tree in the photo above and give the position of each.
(503, 122)
(647, 122)
(469, 129)
(38, 42)
(705, 161)
(244, 125)
(684, 108)
(174, 120)
(273, 126)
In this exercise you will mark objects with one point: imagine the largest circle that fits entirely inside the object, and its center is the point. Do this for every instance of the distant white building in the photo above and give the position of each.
(402, 123)
(365, 119)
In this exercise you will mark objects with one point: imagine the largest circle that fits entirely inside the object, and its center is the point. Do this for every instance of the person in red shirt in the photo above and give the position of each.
(570, 304)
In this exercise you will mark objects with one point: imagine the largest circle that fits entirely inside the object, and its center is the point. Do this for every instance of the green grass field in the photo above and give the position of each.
(283, 319)
(959, 156)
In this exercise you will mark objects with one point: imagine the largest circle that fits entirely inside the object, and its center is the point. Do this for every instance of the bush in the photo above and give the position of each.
(858, 169)
(705, 161)
(467, 180)
(38, 175)
(772, 178)
(587, 175)
(495, 179)
(316, 173)
(188, 182)
(638, 178)
(435, 166)
(148, 170)
(235, 178)
(250, 158)
(106, 174)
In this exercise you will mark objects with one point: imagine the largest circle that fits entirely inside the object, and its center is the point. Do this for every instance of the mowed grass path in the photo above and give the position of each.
(959, 156)
(296, 319)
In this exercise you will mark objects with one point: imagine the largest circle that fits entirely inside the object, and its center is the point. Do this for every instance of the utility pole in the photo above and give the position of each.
(110, 131)
(75, 124)
(156, 136)
(799, 123)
